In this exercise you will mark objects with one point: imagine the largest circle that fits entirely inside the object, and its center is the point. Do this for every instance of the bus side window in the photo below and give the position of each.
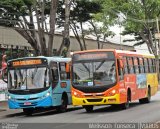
(146, 65)
(141, 64)
(55, 75)
(120, 71)
(62, 68)
(150, 65)
(130, 64)
(125, 65)
(154, 65)
(136, 65)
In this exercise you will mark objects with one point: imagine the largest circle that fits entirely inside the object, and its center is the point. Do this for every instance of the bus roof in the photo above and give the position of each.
(54, 58)
(116, 51)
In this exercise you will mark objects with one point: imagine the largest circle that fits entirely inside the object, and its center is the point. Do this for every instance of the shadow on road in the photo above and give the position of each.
(97, 109)
(115, 108)
(53, 111)
(43, 112)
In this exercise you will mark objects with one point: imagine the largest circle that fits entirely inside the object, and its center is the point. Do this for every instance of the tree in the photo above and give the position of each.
(140, 20)
(100, 30)
(29, 18)
(78, 17)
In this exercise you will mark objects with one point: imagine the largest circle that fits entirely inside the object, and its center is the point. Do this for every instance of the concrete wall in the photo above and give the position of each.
(11, 37)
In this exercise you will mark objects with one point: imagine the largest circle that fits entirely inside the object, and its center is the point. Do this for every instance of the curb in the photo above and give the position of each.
(1, 110)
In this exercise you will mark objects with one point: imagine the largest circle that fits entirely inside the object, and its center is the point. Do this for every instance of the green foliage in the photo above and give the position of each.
(82, 12)
(140, 18)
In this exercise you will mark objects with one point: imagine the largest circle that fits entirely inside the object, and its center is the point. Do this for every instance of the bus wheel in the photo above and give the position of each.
(28, 111)
(147, 99)
(88, 108)
(63, 106)
(126, 104)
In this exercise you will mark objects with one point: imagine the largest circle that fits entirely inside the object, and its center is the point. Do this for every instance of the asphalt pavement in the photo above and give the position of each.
(77, 118)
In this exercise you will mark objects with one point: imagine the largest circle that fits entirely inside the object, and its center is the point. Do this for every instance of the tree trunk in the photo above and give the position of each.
(52, 26)
(30, 40)
(74, 29)
(66, 39)
(83, 36)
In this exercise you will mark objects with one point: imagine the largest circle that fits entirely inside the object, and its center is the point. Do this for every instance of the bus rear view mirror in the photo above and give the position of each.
(67, 68)
(4, 75)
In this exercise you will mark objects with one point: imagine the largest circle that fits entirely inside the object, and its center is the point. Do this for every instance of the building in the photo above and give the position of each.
(12, 41)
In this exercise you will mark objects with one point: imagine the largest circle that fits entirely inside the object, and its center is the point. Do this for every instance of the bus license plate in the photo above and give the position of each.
(27, 103)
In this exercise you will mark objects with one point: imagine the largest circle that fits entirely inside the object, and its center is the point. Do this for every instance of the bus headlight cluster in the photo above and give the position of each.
(11, 98)
(112, 92)
(76, 94)
(47, 94)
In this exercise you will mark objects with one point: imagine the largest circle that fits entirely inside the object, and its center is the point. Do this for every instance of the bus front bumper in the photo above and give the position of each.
(109, 100)
(46, 102)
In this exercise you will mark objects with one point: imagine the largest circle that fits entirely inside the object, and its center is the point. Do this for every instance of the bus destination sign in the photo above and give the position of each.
(93, 56)
(27, 62)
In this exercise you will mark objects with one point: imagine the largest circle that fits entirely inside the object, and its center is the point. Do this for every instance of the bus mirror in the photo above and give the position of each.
(67, 68)
(121, 63)
(4, 75)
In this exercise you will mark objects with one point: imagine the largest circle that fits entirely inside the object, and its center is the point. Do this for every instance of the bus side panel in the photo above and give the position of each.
(130, 83)
(152, 81)
(59, 90)
(122, 92)
(141, 85)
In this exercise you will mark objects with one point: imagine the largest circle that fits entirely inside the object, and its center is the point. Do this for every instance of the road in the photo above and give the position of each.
(137, 113)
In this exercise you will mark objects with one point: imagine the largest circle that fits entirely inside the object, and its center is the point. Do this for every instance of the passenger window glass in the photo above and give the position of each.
(63, 74)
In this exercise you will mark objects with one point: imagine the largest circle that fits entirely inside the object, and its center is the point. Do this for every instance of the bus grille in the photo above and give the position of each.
(94, 100)
(26, 99)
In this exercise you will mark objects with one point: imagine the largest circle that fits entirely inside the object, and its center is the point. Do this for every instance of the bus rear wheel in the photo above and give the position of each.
(63, 106)
(88, 108)
(147, 99)
(28, 111)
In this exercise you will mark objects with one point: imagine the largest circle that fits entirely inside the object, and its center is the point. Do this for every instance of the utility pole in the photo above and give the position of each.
(157, 36)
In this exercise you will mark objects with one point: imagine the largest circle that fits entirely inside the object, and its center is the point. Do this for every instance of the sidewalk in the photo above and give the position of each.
(3, 106)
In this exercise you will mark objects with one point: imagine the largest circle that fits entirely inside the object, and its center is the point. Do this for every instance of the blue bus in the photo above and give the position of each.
(38, 82)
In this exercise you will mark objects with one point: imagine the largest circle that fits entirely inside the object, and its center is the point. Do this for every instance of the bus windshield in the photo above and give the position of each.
(28, 78)
(94, 73)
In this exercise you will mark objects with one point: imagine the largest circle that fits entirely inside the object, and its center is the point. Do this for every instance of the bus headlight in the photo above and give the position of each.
(75, 93)
(9, 97)
(47, 94)
(112, 92)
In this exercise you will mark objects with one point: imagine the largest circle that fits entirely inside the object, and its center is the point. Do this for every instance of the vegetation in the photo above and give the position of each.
(29, 18)
(35, 20)
(140, 19)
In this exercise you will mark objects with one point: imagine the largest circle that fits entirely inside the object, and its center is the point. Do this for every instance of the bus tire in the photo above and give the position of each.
(147, 99)
(28, 111)
(88, 108)
(126, 104)
(64, 103)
